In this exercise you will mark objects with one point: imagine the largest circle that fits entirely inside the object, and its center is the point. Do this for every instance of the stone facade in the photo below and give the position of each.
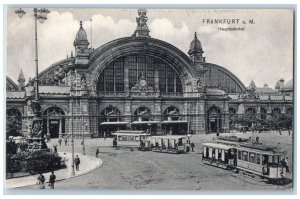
(198, 95)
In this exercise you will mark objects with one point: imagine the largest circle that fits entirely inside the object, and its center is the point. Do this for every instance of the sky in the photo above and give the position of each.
(262, 52)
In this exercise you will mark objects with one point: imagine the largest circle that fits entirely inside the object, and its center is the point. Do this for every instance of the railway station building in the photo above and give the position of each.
(139, 82)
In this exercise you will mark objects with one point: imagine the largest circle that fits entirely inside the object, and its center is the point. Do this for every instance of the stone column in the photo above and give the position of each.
(156, 80)
(48, 130)
(126, 77)
(60, 127)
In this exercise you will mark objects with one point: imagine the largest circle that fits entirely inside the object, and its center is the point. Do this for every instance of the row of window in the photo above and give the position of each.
(113, 76)
(256, 158)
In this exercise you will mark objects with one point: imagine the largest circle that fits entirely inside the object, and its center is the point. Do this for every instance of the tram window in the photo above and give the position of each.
(258, 158)
(245, 156)
(276, 159)
(265, 159)
(252, 157)
(239, 155)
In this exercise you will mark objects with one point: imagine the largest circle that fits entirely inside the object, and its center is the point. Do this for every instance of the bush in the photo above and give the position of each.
(32, 162)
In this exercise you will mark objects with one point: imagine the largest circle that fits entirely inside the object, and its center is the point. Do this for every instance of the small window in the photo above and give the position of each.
(245, 156)
(239, 155)
(258, 159)
(252, 157)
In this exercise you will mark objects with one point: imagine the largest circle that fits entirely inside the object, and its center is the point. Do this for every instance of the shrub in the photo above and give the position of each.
(33, 162)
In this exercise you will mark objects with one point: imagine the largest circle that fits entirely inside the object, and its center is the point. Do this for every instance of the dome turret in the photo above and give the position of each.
(81, 34)
(195, 52)
(81, 44)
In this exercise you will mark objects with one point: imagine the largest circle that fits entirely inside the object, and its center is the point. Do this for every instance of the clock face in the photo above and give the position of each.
(143, 82)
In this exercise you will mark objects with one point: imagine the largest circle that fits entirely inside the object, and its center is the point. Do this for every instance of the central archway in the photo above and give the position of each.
(54, 122)
(214, 119)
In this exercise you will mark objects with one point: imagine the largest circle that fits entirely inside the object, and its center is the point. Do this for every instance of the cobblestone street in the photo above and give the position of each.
(159, 171)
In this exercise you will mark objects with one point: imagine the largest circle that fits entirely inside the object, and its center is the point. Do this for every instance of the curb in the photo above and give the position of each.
(65, 178)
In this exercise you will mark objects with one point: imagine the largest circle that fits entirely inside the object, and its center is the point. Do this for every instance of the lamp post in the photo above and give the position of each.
(72, 136)
(36, 136)
(41, 16)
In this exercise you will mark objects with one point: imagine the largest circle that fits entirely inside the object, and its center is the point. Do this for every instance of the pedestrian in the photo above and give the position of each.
(289, 132)
(52, 180)
(55, 148)
(77, 162)
(104, 135)
(41, 181)
(257, 139)
(192, 146)
(66, 141)
(287, 165)
(279, 131)
(59, 141)
(97, 152)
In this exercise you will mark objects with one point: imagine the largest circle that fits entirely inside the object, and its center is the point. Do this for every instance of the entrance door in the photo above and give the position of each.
(54, 128)
(213, 126)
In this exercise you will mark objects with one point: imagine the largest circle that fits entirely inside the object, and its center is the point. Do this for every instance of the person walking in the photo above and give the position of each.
(52, 180)
(55, 148)
(287, 165)
(257, 139)
(77, 162)
(59, 141)
(66, 141)
(97, 152)
(192, 146)
(41, 181)
(104, 135)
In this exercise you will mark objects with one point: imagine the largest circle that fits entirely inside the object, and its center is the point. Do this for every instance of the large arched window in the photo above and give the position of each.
(112, 78)
(171, 113)
(142, 114)
(110, 114)
(263, 113)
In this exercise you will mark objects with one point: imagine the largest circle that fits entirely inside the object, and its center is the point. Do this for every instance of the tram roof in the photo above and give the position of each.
(262, 150)
(170, 137)
(218, 146)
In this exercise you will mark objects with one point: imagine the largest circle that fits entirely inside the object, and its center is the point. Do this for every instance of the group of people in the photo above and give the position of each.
(65, 141)
(41, 181)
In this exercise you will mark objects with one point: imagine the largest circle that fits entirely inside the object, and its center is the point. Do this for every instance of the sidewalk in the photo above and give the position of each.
(88, 164)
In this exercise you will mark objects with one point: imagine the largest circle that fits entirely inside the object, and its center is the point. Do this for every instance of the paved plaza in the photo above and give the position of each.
(126, 170)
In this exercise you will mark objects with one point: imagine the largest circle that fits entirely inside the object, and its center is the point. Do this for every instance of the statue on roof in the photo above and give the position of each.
(142, 18)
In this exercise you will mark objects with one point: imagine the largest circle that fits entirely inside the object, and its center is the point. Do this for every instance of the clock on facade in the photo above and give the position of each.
(143, 82)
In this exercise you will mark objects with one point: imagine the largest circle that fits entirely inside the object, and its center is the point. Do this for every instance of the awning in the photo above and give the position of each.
(130, 132)
(114, 123)
(174, 122)
(146, 122)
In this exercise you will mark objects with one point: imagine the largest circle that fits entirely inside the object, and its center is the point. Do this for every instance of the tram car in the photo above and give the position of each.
(251, 160)
(169, 144)
(219, 155)
(131, 139)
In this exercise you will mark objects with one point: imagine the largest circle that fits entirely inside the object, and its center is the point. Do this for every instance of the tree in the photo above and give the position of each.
(13, 126)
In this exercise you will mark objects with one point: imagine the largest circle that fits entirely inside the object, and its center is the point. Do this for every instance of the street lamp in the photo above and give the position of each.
(36, 140)
(72, 136)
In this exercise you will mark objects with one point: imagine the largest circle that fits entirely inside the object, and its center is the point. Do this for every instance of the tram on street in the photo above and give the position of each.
(169, 144)
(247, 159)
(131, 139)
